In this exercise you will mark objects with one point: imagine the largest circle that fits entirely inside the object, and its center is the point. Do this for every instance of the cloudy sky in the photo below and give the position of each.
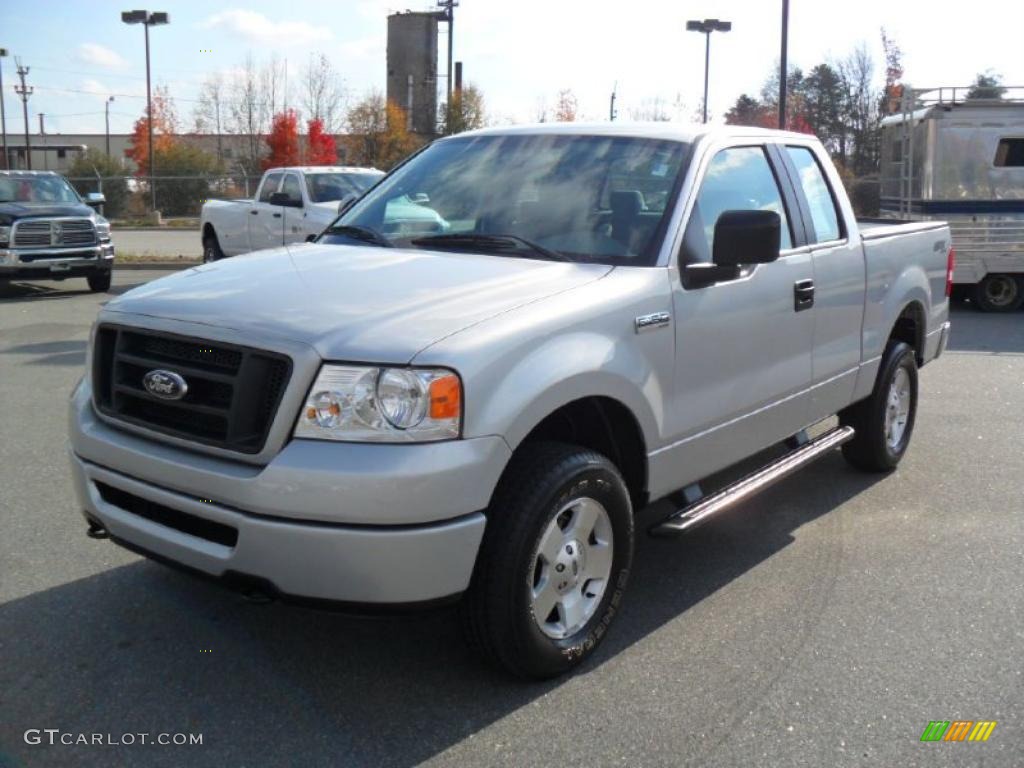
(520, 52)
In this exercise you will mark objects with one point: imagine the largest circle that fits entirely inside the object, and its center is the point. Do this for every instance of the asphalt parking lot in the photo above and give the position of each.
(823, 623)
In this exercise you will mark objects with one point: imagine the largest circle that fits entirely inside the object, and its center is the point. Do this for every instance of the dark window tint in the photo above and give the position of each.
(818, 194)
(1010, 153)
(739, 179)
(291, 188)
(269, 187)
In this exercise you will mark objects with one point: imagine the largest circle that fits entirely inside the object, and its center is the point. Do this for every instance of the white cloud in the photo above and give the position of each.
(257, 28)
(100, 56)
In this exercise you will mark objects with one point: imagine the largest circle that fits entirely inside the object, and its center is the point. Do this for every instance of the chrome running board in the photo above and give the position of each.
(688, 517)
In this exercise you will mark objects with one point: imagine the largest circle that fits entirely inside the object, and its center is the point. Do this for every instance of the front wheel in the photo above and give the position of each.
(211, 249)
(554, 561)
(998, 293)
(99, 282)
(884, 422)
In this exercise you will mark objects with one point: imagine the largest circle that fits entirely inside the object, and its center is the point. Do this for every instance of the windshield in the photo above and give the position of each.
(36, 189)
(587, 198)
(331, 187)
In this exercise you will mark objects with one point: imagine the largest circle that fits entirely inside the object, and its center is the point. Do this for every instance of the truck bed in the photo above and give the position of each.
(875, 229)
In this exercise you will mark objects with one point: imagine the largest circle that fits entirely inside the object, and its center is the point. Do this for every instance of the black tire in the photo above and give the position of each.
(497, 613)
(99, 282)
(998, 293)
(211, 248)
(871, 449)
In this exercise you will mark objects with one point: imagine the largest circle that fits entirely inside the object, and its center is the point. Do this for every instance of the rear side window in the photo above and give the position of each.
(738, 178)
(819, 196)
(270, 185)
(1010, 153)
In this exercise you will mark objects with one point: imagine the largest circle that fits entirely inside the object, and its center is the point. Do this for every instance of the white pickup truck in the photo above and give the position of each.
(290, 205)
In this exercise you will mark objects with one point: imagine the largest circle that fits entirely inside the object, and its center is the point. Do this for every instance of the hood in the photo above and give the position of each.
(14, 211)
(353, 303)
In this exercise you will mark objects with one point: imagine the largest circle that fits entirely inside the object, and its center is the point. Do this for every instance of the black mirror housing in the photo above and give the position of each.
(284, 200)
(747, 237)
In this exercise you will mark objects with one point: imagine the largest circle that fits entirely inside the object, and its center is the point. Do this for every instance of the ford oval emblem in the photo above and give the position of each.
(167, 385)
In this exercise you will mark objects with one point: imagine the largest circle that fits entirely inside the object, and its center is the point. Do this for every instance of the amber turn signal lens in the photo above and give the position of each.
(445, 398)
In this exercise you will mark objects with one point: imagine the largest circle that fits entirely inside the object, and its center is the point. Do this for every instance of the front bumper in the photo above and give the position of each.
(43, 264)
(338, 522)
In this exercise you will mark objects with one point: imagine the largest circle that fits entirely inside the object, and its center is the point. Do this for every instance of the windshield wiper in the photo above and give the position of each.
(359, 232)
(497, 242)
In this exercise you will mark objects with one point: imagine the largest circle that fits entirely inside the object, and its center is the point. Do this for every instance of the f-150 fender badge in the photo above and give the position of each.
(167, 385)
(652, 321)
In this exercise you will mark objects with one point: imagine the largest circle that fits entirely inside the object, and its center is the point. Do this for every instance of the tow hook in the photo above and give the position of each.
(96, 531)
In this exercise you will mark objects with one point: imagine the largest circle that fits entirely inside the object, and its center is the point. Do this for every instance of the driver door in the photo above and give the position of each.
(743, 349)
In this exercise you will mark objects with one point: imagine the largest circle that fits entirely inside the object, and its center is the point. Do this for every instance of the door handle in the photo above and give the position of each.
(277, 215)
(255, 213)
(803, 295)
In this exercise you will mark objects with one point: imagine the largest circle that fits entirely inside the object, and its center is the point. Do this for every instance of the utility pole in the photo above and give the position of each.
(3, 115)
(106, 112)
(24, 91)
(783, 67)
(611, 107)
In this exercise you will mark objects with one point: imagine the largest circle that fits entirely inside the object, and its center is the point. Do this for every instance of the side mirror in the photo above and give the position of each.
(285, 200)
(346, 202)
(747, 237)
(95, 198)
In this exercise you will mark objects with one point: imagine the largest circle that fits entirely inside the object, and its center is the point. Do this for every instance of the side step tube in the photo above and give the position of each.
(690, 516)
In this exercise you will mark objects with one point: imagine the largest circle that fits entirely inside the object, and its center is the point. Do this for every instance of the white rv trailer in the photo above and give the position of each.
(946, 156)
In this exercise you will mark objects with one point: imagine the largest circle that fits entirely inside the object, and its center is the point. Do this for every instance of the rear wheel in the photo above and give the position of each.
(554, 561)
(211, 249)
(884, 422)
(998, 293)
(99, 282)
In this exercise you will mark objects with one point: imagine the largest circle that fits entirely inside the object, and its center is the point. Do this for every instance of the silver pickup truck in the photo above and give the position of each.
(394, 417)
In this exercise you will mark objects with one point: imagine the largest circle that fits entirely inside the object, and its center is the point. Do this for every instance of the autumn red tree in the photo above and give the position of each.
(165, 126)
(283, 140)
(320, 148)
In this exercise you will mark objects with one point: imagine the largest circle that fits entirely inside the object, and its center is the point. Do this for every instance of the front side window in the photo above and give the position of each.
(292, 189)
(818, 194)
(738, 179)
(270, 185)
(585, 198)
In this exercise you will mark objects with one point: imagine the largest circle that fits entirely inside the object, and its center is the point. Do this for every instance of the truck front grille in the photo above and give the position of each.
(232, 396)
(49, 233)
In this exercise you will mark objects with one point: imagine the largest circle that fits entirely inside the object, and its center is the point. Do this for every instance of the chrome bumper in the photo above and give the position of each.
(55, 260)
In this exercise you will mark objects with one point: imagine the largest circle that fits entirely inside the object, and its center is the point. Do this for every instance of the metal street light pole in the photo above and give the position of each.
(783, 66)
(106, 112)
(3, 114)
(449, 16)
(147, 20)
(706, 27)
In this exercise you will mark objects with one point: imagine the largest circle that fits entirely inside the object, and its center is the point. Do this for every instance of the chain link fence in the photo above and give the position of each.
(129, 196)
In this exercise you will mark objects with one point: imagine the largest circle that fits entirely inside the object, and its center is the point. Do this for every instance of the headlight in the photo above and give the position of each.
(382, 405)
(5, 235)
(102, 229)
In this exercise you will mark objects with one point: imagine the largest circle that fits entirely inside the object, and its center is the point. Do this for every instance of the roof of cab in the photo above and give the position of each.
(687, 132)
(325, 169)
